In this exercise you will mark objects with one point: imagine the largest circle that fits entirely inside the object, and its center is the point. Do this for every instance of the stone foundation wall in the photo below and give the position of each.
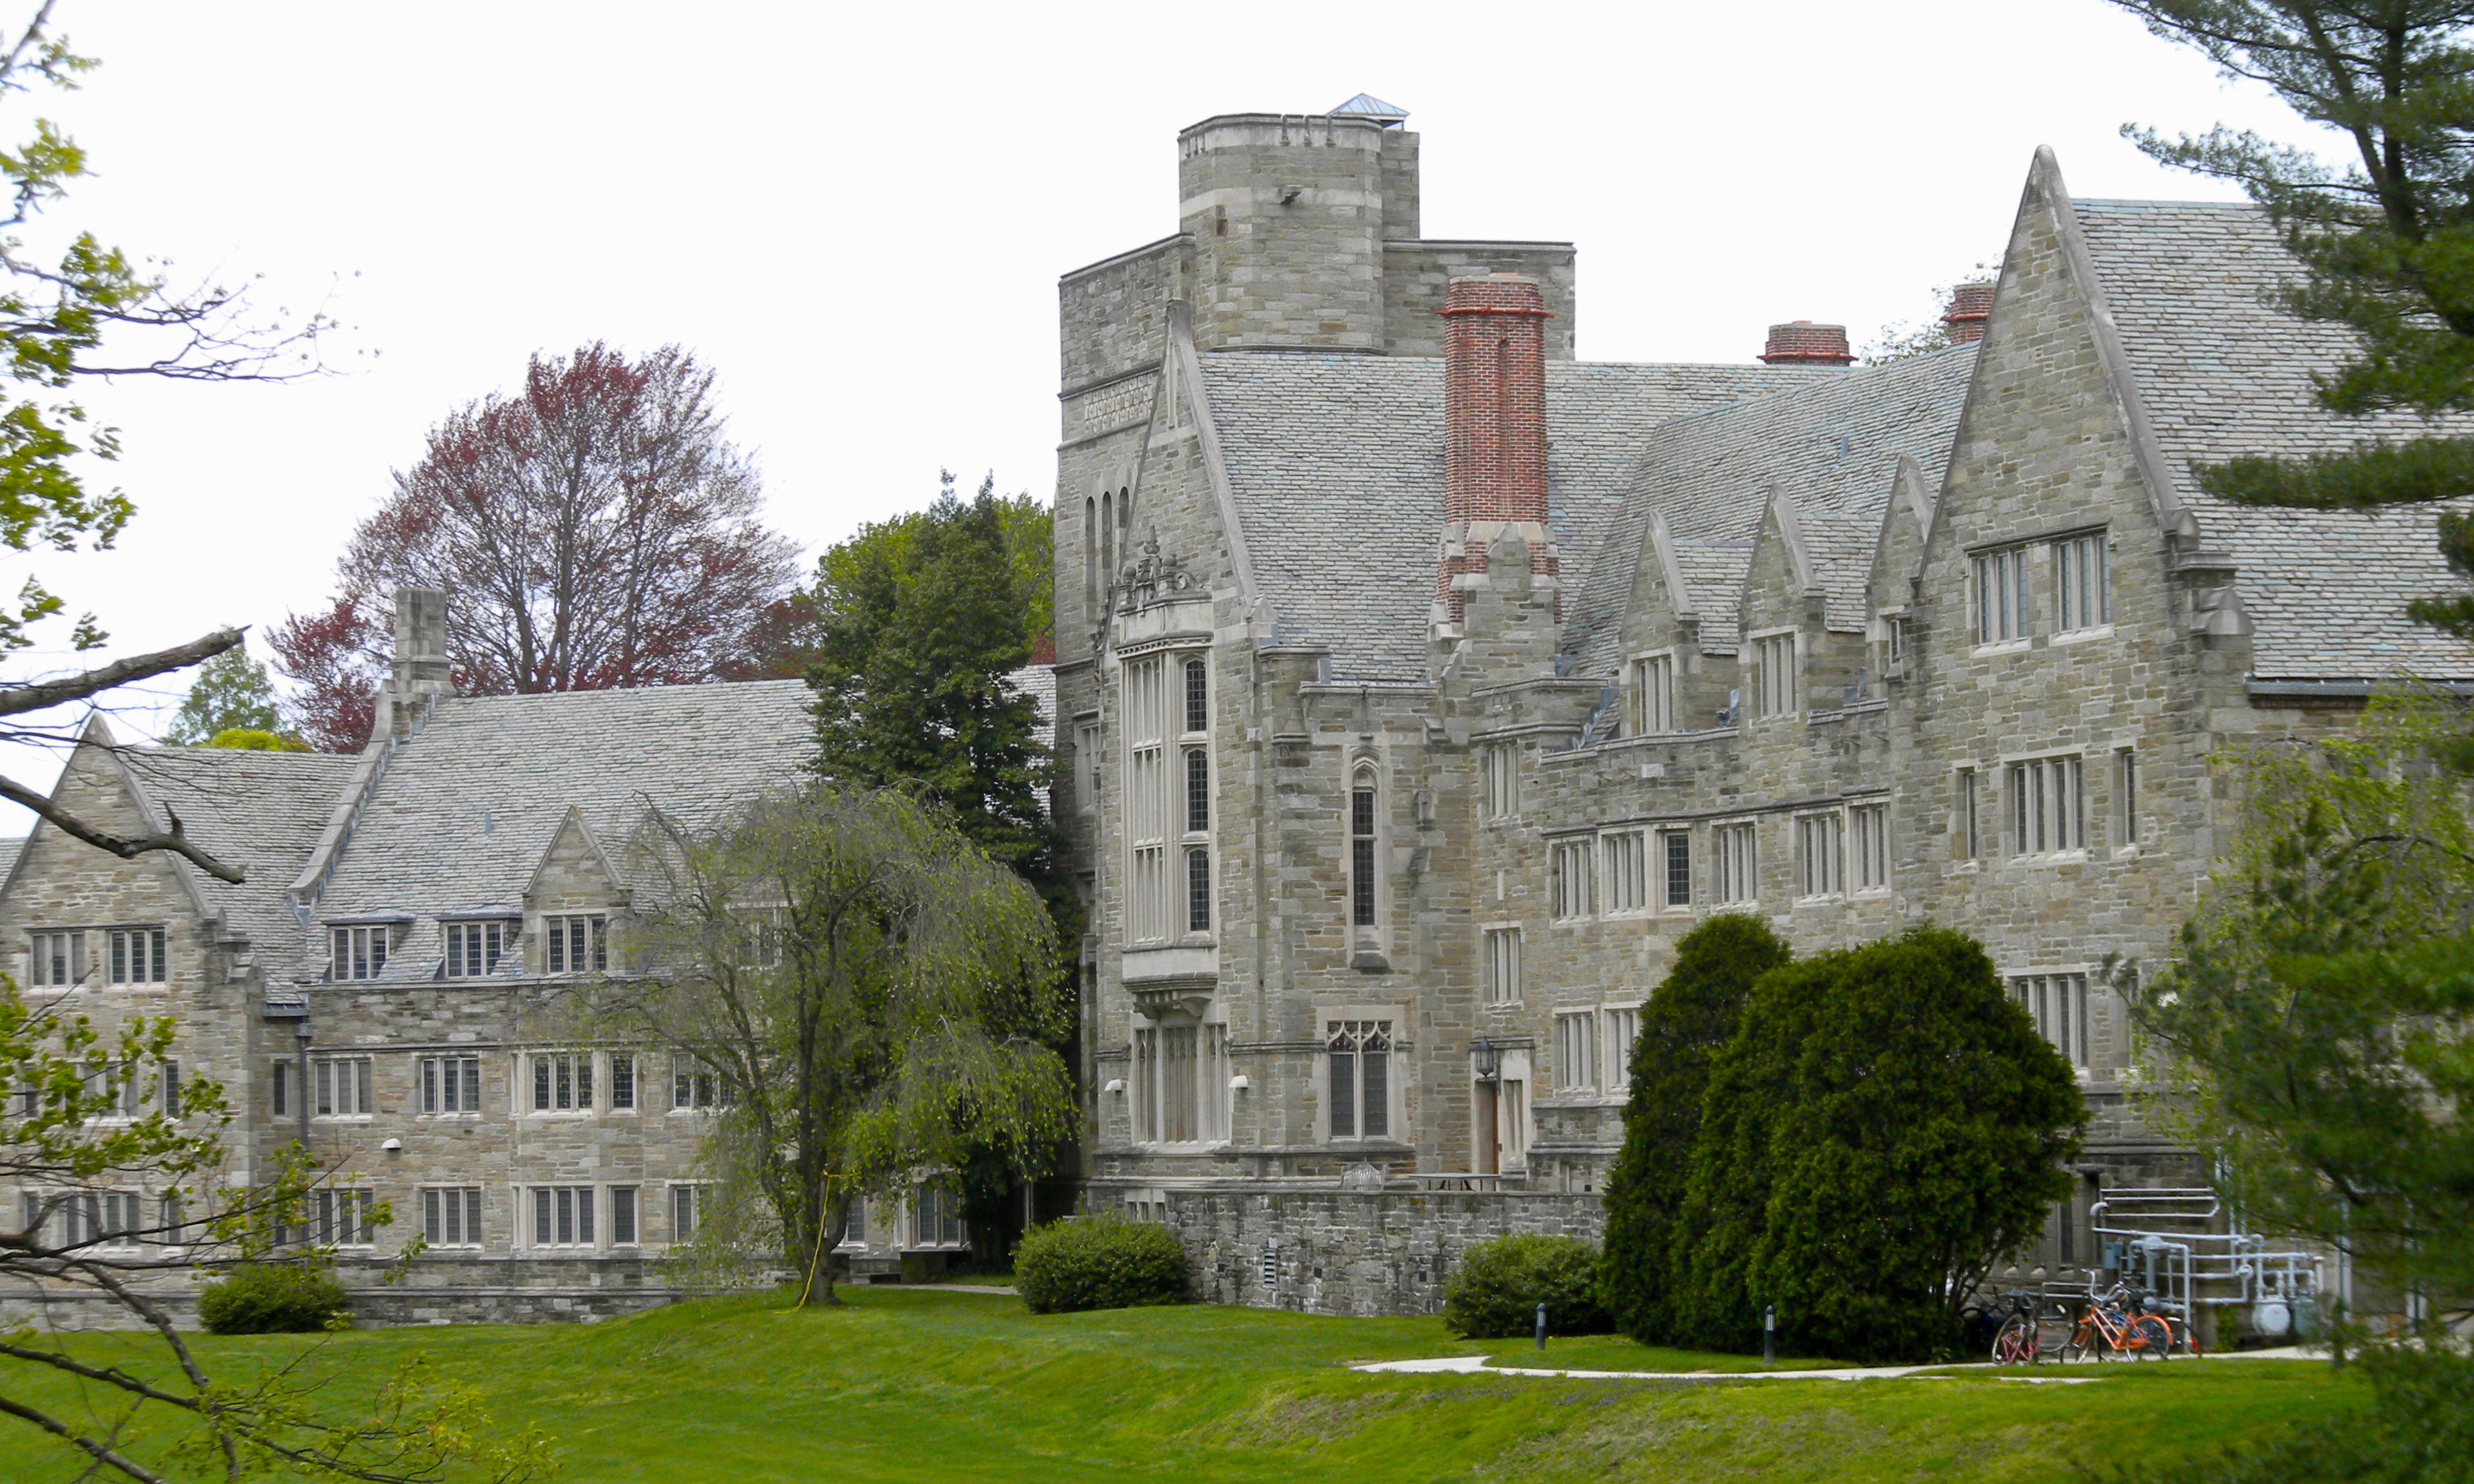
(1346, 1252)
(468, 1291)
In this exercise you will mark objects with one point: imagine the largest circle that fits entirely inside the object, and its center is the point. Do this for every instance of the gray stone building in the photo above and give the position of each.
(392, 985)
(1419, 684)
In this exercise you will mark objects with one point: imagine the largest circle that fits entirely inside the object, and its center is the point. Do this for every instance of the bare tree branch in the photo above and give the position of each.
(101, 1454)
(46, 694)
(126, 846)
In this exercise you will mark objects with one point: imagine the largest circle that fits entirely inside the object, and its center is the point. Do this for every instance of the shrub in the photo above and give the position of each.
(273, 1299)
(1107, 1261)
(1499, 1285)
(1690, 1018)
(1885, 1124)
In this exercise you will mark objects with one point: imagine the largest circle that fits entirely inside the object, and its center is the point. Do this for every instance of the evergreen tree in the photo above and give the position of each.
(1690, 1016)
(1885, 1126)
(2385, 244)
(231, 693)
(2316, 1018)
(919, 622)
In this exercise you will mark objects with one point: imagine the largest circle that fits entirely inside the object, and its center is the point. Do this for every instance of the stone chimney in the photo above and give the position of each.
(1494, 434)
(1969, 305)
(419, 673)
(1803, 343)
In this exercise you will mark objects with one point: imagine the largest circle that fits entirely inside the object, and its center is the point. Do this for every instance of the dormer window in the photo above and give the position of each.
(473, 949)
(360, 953)
(577, 943)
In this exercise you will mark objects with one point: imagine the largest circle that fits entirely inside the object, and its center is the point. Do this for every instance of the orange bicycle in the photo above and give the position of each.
(2117, 1325)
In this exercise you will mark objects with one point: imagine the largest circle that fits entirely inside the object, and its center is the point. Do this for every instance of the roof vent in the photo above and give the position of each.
(1969, 305)
(1803, 343)
(1373, 110)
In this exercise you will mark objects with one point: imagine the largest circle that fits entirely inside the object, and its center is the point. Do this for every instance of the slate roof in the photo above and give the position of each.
(1337, 469)
(261, 811)
(1832, 443)
(467, 807)
(2223, 373)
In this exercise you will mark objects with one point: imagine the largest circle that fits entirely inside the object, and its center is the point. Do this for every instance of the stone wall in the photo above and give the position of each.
(1347, 1252)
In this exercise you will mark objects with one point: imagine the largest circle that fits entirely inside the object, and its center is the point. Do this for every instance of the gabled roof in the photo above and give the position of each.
(465, 808)
(1832, 441)
(1335, 468)
(2224, 374)
(261, 811)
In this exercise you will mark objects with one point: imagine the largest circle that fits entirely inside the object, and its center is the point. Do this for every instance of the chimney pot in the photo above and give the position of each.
(1970, 303)
(1803, 343)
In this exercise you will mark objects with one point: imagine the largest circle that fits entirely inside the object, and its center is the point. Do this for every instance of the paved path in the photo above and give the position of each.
(1476, 1365)
(937, 1287)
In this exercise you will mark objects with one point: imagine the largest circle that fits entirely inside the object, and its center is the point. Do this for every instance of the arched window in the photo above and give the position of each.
(1091, 555)
(1197, 791)
(1361, 851)
(1107, 536)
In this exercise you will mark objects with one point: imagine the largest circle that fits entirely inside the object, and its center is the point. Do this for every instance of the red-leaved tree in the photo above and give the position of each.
(597, 530)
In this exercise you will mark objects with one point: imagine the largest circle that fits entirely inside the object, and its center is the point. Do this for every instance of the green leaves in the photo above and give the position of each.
(2313, 1032)
(1884, 1125)
(2385, 242)
(230, 695)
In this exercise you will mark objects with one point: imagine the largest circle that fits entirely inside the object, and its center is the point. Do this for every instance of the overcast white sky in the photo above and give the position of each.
(856, 214)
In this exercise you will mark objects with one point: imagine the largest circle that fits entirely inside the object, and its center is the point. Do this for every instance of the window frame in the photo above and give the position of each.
(1625, 883)
(1621, 1029)
(445, 1080)
(1651, 713)
(1576, 1051)
(1778, 683)
(2048, 811)
(1501, 763)
(152, 946)
(57, 958)
(1573, 878)
(464, 941)
(1364, 822)
(1372, 1042)
(1999, 572)
(358, 951)
(338, 1080)
(1674, 867)
(452, 1208)
(560, 1083)
(560, 932)
(1500, 954)
(2082, 607)
(1868, 847)
(2057, 998)
(1736, 849)
(1823, 871)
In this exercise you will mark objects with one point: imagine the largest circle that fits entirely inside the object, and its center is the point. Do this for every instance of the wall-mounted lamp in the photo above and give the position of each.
(1487, 1059)
(393, 1146)
(1116, 1085)
(1238, 1083)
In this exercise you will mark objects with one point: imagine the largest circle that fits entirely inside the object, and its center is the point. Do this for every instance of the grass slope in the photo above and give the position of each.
(902, 1386)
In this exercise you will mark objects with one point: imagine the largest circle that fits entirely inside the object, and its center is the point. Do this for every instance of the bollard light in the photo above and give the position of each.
(1541, 1326)
(1769, 1335)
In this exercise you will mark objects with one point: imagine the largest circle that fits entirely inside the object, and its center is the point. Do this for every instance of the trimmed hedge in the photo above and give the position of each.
(1105, 1262)
(274, 1299)
(1497, 1288)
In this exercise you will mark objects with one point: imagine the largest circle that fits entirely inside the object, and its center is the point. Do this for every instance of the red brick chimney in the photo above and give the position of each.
(1803, 343)
(1494, 428)
(1969, 305)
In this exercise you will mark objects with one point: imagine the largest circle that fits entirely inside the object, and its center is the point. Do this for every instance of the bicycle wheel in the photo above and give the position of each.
(2016, 1343)
(2085, 1343)
(2151, 1336)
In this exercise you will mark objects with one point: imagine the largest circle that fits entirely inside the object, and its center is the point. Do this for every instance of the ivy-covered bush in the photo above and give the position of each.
(1100, 1261)
(273, 1299)
(1499, 1285)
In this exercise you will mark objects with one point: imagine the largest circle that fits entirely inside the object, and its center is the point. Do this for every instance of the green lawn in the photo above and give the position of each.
(923, 1385)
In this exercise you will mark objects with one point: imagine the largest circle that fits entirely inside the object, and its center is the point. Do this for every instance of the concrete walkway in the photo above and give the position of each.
(1476, 1365)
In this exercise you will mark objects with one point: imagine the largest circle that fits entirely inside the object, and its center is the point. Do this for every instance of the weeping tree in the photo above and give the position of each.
(877, 999)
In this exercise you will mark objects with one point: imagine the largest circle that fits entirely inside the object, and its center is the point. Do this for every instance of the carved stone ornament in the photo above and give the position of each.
(1150, 578)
